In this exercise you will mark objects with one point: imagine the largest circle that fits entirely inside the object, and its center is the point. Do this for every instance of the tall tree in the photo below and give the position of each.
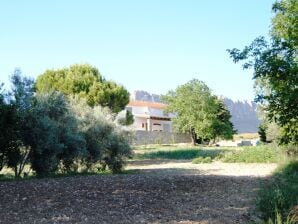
(222, 126)
(84, 81)
(195, 108)
(275, 66)
(13, 118)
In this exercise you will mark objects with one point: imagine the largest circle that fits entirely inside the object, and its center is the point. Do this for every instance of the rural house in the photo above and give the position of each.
(150, 116)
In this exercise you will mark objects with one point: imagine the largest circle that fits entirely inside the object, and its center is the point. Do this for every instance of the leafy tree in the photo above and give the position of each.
(222, 126)
(13, 111)
(9, 135)
(84, 81)
(195, 108)
(275, 65)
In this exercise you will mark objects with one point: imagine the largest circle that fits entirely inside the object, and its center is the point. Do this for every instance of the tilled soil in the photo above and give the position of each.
(156, 195)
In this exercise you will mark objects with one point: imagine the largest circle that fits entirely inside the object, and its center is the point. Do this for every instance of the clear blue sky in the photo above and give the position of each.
(151, 45)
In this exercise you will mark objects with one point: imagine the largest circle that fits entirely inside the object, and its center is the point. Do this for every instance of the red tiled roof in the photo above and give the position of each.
(147, 104)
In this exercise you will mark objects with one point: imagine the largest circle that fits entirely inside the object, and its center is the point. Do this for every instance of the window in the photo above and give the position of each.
(143, 125)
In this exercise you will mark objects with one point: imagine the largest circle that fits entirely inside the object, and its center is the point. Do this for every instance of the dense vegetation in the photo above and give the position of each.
(84, 81)
(259, 154)
(249, 154)
(275, 65)
(199, 112)
(278, 198)
(51, 133)
(180, 154)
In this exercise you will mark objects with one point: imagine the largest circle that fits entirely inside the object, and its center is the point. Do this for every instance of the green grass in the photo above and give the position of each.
(180, 154)
(250, 154)
(278, 197)
(253, 154)
(202, 160)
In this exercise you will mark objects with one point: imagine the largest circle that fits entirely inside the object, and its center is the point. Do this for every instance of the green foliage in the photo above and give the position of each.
(180, 154)
(46, 132)
(125, 118)
(275, 67)
(253, 154)
(84, 81)
(262, 133)
(53, 135)
(202, 160)
(105, 142)
(279, 196)
(284, 24)
(13, 113)
(269, 131)
(199, 112)
(222, 126)
(9, 141)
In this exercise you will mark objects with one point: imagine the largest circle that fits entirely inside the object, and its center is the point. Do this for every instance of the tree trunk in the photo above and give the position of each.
(193, 136)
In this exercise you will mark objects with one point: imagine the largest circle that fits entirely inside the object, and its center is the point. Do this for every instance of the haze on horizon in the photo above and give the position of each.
(144, 45)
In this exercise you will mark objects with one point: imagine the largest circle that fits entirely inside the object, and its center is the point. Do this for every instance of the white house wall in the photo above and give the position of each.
(140, 110)
(140, 123)
(143, 123)
(156, 112)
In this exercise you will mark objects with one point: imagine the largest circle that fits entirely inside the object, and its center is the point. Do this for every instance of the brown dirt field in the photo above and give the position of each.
(162, 192)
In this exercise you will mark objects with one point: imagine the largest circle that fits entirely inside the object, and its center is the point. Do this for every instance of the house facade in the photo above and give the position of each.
(150, 116)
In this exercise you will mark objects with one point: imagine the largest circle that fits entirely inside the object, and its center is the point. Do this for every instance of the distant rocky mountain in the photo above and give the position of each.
(244, 113)
(145, 96)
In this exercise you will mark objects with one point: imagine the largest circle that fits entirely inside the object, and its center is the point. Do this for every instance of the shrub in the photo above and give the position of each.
(106, 143)
(53, 135)
(259, 154)
(280, 194)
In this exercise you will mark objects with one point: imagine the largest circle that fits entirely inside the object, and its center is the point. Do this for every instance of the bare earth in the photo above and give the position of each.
(162, 191)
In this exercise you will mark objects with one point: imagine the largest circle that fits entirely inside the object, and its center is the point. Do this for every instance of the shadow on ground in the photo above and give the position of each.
(159, 196)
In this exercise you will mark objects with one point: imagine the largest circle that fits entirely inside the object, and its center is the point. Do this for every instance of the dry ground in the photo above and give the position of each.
(162, 192)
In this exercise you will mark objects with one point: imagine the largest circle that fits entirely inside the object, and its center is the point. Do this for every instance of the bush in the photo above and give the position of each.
(53, 135)
(280, 195)
(259, 154)
(106, 143)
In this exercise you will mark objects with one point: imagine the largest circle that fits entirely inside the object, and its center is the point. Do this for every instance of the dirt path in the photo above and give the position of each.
(215, 168)
(163, 192)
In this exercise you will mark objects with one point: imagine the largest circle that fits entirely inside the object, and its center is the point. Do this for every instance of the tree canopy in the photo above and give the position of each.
(275, 66)
(84, 81)
(50, 133)
(198, 111)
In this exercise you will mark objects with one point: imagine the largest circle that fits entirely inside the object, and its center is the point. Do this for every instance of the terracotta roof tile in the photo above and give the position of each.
(147, 104)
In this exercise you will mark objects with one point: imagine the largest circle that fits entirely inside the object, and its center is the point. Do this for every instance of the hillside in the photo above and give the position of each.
(244, 113)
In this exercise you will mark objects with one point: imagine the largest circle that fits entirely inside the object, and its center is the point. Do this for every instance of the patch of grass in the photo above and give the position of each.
(253, 154)
(278, 198)
(180, 154)
(202, 160)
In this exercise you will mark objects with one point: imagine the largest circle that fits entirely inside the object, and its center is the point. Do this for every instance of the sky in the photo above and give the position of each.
(151, 45)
